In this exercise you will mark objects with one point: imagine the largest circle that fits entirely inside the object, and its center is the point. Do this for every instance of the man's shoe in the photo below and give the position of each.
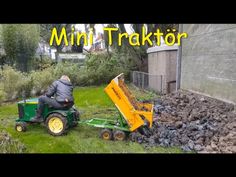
(37, 119)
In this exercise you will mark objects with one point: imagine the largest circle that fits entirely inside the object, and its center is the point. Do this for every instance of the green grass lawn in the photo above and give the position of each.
(92, 102)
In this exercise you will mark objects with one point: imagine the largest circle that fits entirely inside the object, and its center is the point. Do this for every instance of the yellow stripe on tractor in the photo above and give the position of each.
(32, 102)
(135, 113)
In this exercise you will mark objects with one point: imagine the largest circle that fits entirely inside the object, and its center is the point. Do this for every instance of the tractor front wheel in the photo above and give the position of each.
(20, 126)
(119, 135)
(106, 134)
(56, 124)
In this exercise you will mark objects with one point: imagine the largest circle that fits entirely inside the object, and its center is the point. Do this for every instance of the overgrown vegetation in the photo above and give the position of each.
(101, 68)
(13, 83)
(10, 145)
(20, 42)
(98, 69)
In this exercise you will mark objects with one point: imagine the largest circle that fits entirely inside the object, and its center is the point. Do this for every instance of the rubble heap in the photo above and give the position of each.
(194, 123)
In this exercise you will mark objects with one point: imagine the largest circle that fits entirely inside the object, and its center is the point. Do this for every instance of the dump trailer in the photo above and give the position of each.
(133, 115)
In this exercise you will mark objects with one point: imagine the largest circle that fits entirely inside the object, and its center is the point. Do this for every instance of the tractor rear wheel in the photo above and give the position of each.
(20, 126)
(56, 124)
(106, 134)
(119, 135)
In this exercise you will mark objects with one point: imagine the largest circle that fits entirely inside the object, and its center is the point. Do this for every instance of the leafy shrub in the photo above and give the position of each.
(10, 145)
(69, 69)
(13, 82)
(41, 63)
(98, 69)
(101, 68)
(25, 85)
(41, 80)
(2, 94)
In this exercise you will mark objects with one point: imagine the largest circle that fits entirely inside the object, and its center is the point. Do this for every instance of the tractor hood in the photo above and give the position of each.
(30, 101)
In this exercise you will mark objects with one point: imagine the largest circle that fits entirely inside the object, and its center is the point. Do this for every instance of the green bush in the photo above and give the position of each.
(81, 77)
(14, 82)
(41, 63)
(25, 85)
(10, 145)
(101, 68)
(98, 69)
(2, 94)
(67, 68)
(41, 80)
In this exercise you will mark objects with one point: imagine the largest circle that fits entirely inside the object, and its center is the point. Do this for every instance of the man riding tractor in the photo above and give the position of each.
(62, 90)
(55, 109)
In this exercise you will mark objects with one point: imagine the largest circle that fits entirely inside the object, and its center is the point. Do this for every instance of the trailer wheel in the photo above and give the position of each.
(56, 124)
(20, 126)
(119, 135)
(106, 134)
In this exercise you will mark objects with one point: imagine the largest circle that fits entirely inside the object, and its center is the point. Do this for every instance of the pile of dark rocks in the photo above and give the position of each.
(193, 122)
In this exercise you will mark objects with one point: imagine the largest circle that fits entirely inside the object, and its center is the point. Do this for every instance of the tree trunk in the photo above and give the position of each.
(56, 56)
(59, 50)
(22, 63)
(123, 30)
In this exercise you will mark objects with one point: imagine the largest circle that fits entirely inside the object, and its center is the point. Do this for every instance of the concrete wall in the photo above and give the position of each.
(209, 60)
(162, 68)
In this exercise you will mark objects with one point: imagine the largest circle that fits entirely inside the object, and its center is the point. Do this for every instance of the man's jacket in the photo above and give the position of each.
(62, 90)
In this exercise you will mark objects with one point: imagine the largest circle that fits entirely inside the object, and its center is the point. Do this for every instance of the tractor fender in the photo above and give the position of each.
(63, 113)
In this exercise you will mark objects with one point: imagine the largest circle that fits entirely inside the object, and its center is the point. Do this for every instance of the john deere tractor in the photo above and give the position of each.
(56, 121)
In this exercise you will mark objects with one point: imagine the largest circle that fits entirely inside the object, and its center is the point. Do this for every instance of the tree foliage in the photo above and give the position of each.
(20, 42)
(46, 29)
(138, 53)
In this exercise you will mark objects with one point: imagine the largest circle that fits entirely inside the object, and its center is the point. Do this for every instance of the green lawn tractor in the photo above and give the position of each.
(56, 121)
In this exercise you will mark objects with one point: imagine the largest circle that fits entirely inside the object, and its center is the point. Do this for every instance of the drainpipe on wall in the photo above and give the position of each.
(179, 57)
